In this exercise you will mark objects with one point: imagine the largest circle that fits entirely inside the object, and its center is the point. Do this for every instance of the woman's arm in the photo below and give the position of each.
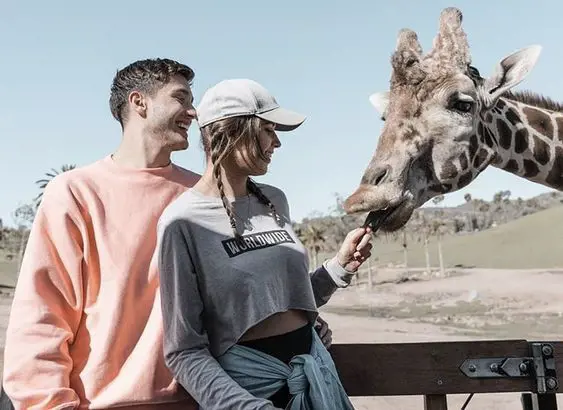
(338, 272)
(186, 346)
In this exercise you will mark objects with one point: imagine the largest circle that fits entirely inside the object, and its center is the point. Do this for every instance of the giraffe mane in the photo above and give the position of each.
(531, 98)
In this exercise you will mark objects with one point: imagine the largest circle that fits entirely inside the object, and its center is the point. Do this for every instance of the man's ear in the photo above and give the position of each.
(510, 72)
(380, 101)
(138, 103)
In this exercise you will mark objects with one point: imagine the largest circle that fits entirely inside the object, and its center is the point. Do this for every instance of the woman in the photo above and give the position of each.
(238, 301)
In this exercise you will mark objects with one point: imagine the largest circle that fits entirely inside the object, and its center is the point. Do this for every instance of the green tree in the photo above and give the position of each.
(313, 239)
(436, 228)
(425, 229)
(501, 199)
(437, 200)
(473, 218)
(23, 216)
(404, 241)
(42, 183)
(338, 208)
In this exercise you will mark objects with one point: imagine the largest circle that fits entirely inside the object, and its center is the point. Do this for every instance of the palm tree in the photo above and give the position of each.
(23, 217)
(436, 228)
(501, 199)
(405, 248)
(484, 209)
(313, 239)
(425, 229)
(42, 183)
(469, 199)
(437, 199)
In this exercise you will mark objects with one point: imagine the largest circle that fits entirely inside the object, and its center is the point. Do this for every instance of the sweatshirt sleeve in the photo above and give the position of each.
(47, 306)
(186, 346)
(326, 279)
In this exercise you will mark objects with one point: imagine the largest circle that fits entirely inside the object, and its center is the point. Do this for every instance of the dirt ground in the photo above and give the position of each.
(464, 305)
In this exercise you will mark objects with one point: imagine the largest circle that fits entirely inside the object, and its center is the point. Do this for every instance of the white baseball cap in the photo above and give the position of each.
(237, 97)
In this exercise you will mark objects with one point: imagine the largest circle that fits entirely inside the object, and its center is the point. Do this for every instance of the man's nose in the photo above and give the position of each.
(192, 112)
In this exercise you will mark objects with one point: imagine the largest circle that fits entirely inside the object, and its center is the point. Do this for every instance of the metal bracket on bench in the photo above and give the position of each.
(540, 366)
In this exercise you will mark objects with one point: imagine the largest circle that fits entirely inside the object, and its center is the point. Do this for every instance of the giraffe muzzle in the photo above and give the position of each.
(375, 219)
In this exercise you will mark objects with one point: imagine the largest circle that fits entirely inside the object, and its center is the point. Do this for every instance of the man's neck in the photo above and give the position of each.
(137, 152)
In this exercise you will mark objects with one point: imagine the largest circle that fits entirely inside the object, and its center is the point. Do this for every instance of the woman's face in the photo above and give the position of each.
(269, 141)
(248, 162)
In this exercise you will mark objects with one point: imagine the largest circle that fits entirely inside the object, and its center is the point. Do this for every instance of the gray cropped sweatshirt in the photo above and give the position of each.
(214, 288)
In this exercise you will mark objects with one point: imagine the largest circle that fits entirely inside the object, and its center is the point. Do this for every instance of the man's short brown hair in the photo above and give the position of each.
(145, 76)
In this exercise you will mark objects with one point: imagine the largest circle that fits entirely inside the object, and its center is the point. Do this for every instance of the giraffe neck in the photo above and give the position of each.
(527, 140)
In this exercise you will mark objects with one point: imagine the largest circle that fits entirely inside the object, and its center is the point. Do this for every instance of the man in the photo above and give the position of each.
(85, 328)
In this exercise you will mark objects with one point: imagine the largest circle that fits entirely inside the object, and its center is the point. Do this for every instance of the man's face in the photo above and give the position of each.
(170, 112)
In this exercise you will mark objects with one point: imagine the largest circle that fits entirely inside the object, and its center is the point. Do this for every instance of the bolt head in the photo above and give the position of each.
(551, 383)
(547, 350)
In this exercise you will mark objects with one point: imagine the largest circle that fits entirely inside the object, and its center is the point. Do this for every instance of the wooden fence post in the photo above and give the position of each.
(435, 402)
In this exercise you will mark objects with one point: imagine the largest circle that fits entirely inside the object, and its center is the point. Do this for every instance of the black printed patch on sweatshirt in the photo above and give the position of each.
(256, 241)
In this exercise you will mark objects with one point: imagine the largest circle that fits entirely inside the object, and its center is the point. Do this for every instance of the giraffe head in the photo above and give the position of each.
(433, 141)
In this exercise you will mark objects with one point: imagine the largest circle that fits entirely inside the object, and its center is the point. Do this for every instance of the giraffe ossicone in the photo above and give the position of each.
(444, 124)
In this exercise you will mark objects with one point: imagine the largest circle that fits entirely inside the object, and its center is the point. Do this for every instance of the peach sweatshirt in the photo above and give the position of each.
(85, 328)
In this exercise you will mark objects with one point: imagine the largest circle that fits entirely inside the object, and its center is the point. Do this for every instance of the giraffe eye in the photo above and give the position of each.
(473, 72)
(462, 106)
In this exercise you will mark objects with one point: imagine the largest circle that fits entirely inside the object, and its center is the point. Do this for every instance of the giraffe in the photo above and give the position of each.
(444, 124)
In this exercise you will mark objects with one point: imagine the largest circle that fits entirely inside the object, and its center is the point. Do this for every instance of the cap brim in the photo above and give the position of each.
(284, 119)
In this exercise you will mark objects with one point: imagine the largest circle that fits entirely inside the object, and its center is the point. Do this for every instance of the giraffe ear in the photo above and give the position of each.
(510, 72)
(380, 101)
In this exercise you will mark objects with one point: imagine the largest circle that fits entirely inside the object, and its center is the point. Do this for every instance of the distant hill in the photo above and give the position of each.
(474, 215)
(533, 241)
(503, 233)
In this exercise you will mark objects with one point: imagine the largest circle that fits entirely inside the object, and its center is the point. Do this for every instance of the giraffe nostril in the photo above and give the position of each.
(377, 175)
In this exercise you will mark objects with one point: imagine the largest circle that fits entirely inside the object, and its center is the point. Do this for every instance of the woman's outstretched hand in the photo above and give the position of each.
(355, 249)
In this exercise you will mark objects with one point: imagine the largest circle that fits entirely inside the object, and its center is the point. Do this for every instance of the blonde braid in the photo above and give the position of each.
(257, 192)
(218, 145)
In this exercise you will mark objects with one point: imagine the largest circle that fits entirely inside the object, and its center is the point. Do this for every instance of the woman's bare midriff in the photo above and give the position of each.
(277, 324)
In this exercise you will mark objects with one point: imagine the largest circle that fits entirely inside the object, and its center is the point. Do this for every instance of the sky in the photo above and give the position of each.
(321, 58)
